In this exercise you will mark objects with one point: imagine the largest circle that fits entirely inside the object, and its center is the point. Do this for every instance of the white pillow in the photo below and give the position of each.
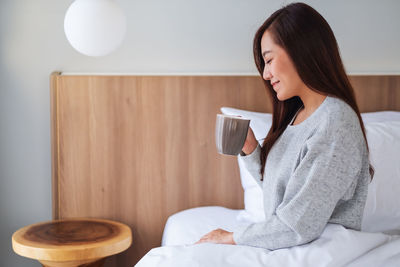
(382, 213)
(260, 123)
(382, 210)
(380, 116)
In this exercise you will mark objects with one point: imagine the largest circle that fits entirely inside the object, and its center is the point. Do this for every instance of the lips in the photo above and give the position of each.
(274, 83)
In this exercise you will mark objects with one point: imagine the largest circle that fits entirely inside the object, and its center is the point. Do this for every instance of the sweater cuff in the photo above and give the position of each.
(255, 155)
(252, 163)
(237, 234)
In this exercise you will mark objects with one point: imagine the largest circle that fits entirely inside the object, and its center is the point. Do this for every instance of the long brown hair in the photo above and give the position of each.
(310, 43)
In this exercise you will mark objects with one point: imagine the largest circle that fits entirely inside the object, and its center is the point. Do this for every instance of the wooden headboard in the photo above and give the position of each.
(139, 148)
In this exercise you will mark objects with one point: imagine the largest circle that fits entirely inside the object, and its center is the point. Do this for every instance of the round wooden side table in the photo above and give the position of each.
(72, 242)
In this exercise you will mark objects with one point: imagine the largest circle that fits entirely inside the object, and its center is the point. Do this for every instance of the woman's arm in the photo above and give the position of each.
(251, 160)
(329, 167)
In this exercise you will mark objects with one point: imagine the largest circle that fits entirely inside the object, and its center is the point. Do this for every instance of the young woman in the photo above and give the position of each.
(313, 165)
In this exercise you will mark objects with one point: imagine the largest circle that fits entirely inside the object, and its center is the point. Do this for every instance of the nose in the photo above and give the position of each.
(267, 74)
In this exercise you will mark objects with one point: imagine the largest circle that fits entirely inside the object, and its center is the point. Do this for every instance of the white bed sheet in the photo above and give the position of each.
(188, 226)
(337, 246)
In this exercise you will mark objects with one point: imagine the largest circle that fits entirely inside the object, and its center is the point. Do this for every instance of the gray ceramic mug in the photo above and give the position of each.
(230, 134)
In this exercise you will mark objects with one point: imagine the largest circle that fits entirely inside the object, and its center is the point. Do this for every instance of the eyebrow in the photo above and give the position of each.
(265, 52)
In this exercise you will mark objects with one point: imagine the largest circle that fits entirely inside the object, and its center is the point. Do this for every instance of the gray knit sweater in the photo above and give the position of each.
(316, 173)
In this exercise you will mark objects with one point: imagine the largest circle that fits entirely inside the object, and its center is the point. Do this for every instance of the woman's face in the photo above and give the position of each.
(279, 69)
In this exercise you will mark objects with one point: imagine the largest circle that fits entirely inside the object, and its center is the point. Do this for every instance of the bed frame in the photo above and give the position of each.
(137, 149)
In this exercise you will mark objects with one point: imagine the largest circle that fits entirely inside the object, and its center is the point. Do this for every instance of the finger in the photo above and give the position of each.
(203, 238)
(201, 241)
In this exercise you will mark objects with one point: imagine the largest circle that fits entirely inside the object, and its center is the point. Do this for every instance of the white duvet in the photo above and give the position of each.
(337, 246)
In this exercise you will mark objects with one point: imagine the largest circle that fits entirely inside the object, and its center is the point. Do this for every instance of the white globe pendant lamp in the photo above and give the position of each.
(95, 27)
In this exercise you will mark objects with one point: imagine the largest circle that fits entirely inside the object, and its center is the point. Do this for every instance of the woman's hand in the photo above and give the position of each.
(218, 236)
(251, 142)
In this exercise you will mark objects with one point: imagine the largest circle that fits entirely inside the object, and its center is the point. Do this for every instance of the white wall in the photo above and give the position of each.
(164, 36)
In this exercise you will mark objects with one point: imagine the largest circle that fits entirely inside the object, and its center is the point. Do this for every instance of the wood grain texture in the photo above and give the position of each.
(90, 263)
(72, 242)
(140, 148)
(54, 142)
(377, 93)
(76, 232)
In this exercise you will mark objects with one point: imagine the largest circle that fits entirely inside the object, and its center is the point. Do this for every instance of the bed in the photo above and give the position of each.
(141, 150)
(378, 244)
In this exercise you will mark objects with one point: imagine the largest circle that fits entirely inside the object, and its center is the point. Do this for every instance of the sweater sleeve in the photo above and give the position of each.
(253, 165)
(328, 168)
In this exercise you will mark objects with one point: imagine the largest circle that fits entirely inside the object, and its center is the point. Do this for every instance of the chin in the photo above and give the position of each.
(281, 97)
